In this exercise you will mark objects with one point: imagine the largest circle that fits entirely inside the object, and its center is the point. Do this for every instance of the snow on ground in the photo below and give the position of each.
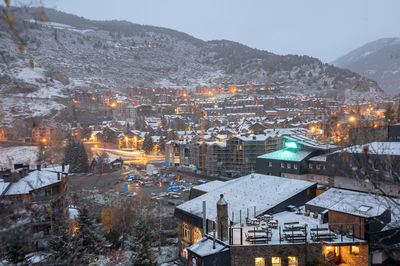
(28, 74)
(20, 154)
(28, 107)
(166, 253)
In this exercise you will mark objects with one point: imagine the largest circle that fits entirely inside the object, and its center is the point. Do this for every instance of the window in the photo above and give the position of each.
(186, 232)
(276, 261)
(289, 165)
(269, 164)
(295, 166)
(259, 261)
(293, 261)
(196, 235)
(355, 250)
(282, 165)
(318, 166)
(310, 166)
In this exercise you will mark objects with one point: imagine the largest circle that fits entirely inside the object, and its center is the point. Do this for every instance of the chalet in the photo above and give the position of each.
(250, 195)
(42, 192)
(261, 220)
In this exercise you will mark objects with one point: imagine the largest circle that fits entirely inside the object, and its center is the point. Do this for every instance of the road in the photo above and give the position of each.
(135, 157)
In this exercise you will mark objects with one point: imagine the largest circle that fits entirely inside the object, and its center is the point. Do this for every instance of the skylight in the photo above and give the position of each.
(364, 208)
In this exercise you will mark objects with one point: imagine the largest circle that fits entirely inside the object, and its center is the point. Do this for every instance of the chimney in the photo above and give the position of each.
(222, 218)
(38, 167)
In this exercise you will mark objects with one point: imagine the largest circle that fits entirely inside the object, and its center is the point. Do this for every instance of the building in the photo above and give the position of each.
(42, 193)
(364, 215)
(41, 134)
(248, 196)
(292, 160)
(262, 220)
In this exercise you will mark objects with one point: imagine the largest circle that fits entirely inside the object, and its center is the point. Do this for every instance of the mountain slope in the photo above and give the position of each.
(71, 52)
(378, 60)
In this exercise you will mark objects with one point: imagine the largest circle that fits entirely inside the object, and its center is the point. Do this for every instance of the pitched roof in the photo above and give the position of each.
(262, 191)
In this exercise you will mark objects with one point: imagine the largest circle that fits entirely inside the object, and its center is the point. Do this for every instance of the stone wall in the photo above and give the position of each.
(312, 253)
(245, 255)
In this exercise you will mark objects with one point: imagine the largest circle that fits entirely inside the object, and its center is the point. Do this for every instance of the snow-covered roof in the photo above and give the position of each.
(310, 143)
(57, 168)
(3, 186)
(204, 247)
(34, 180)
(262, 191)
(319, 158)
(351, 202)
(286, 155)
(383, 148)
(210, 186)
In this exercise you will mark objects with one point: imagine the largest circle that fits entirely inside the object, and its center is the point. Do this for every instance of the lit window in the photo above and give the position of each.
(310, 166)
(186, 232)
(259, 262)
(269, 164)
(295, 166)
(355, 250)
(276, 261)
(196, 235)
(289, 165)
(293, 261)
(282, 165)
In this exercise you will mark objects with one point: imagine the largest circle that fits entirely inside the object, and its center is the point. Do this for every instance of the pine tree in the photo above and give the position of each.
(141, 244)
(83, 161)
(161, 144)
(76, 247)
(75, 155)
(15, 252)
(148, 143)
(42, 154)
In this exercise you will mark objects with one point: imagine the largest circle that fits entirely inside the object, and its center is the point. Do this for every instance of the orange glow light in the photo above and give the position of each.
(43, 140)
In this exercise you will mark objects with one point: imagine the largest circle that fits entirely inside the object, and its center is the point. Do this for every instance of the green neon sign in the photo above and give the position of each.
(291, 145)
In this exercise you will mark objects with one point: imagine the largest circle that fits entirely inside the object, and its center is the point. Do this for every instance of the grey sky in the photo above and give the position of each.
(319, 28)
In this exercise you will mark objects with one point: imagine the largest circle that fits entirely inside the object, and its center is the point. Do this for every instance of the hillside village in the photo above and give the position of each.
(183, 155)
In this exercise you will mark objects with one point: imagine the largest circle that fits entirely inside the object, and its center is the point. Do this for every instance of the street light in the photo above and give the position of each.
(352, 118)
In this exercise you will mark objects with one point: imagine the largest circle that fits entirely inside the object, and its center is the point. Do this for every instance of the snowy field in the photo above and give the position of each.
(20, 154)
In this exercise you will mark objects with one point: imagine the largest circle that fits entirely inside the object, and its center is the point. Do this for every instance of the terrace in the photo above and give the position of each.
(288, 227)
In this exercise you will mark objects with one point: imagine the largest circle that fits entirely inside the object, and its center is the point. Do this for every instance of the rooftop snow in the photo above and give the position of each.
(3, 186)
(34, 180)
(210, 186)
(261, 191)
(204, 247)
(319, 158)
(351, 202)
(286, 155)
(386, 148)
(284, 217)
(311, 143)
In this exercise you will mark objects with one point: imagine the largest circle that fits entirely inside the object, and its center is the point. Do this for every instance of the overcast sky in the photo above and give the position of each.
(319, 28)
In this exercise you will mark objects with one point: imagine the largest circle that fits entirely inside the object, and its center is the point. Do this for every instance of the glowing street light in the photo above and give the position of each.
(352, 118)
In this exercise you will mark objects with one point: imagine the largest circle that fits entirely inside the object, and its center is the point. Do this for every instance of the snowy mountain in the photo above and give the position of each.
(65, 52)
(378, 60)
